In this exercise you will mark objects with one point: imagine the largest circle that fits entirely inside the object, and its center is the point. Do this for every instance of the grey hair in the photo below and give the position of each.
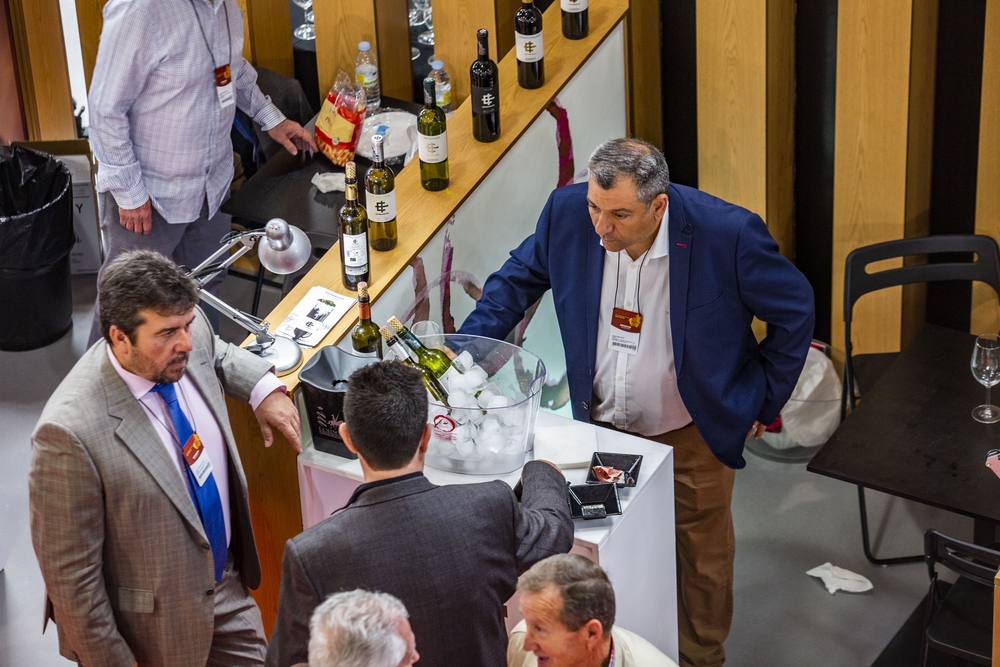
(357, 629)
(632, 158)
(584, 587)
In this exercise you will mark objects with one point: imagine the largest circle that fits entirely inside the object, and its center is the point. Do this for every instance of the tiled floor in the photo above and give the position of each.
(787, 521)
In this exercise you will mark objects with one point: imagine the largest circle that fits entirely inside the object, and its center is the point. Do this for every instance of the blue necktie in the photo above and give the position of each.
(205, 497)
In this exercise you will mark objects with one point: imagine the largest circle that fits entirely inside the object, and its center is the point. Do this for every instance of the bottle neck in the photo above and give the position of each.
(484, 48)
(364, 311)
(351, 192)
(430, 98)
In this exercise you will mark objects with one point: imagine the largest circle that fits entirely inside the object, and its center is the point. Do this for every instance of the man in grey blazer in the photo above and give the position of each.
(451, 554)
(146, 550)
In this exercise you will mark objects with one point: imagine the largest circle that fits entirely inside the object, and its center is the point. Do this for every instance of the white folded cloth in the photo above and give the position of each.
(839, 579)
(329, 181)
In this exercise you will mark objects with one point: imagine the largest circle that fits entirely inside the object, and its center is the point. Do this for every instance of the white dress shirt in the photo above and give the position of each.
(638, 392)
(202, 420)
(156, 125)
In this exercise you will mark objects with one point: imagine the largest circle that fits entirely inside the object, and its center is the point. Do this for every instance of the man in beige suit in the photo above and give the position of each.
(568, 606)
(139, 512)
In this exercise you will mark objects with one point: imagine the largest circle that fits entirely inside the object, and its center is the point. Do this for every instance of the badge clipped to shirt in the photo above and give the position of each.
(224, 86)
(200, 465)
(625, 328)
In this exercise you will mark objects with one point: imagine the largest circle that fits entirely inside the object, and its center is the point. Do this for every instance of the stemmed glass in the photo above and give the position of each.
(986, 369)
(427, 37)
(306, 31)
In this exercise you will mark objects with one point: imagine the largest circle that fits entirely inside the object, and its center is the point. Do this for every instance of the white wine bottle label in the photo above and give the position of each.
(433, 149)
(573, 6)
(381, 208)
(530, 48)
(485, 100)
(355, 253)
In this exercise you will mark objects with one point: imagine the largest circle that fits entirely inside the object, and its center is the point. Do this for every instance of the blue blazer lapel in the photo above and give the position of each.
(595, 276)
(679, 230)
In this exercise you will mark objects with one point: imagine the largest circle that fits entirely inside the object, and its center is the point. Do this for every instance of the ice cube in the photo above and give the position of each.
(465, 449)
(477, 416)
(463, 360)
(478, 375)
(490, 425)
(498, 402)
(515, 417)
(464, 432)
(514, 445)
(492, 442)
(457, 398)
(484, 398)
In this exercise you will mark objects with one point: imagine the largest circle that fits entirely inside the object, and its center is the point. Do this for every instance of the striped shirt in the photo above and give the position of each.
(157, 127)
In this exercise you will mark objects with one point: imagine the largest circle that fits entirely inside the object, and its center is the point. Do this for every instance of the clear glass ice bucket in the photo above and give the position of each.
(488, 441)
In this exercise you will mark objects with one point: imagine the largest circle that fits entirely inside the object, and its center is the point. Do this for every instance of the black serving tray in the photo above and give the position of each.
(630, 463)
(594, 501)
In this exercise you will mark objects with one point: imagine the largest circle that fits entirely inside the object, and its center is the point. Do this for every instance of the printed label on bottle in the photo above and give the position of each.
(530, 48)
(485, 100)
(355, 253)
(443, 95)
(381, 208)
(573, 6)
(432, 149)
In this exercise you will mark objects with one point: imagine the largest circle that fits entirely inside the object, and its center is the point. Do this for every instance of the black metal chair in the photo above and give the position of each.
(861, 372)
(960, 622)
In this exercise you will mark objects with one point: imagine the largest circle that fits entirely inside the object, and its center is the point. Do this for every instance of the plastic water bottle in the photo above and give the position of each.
(366, 73)
(442, 85)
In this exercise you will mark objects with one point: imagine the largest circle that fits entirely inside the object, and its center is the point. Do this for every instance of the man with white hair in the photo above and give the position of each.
(361, 629)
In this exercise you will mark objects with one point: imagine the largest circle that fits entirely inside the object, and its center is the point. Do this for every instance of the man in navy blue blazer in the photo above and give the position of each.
(656, 324)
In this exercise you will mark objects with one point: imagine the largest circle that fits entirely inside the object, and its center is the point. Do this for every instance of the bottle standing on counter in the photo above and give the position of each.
(435, 360)
(574, 18)
(355, 267)
(366, 74)
(365, 337)
(380, 196)
(485, 92)
(434, 387)
(442, 86)
(432, 141)
(529, 46)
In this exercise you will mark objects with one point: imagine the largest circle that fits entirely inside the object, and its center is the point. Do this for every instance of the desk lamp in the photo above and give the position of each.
(286, 250)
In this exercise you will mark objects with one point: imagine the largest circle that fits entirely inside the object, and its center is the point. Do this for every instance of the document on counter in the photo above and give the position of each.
(314, 316)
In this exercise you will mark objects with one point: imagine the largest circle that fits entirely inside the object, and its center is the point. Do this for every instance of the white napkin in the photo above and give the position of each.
(329, 181)
(839, 579)
(568, 446)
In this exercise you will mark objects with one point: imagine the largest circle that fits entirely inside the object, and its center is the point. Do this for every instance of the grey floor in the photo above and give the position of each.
(787, 521)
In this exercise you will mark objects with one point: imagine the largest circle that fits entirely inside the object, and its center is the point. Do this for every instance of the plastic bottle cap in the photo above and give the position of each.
(364, 46)
(437, 64)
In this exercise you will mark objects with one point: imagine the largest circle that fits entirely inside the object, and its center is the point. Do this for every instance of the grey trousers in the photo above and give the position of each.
(239, 631)
(187, 244)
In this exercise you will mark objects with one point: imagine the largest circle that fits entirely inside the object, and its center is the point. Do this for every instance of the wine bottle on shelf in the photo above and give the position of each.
(365, 337)
(435, 360)
(380, 196)
(574, 18)
(355, 267)
(485, 92)
(529, 46)
(432, 141)
(434, 387)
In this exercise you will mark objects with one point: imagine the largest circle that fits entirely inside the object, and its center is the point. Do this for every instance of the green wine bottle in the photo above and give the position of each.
(434, 387)
(355, 267)
(365, 337)
(380, 196)
(435, 360)
(432, 141)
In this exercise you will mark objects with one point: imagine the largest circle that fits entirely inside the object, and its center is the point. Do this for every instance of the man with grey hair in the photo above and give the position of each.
(655, 287)
(568, 606)
(361, 629)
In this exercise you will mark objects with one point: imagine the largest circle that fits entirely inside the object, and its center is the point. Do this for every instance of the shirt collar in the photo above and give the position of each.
(661, 244)
(382, 482)
(138, 385)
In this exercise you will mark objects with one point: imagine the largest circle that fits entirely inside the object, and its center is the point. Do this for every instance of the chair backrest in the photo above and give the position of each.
(968, 560)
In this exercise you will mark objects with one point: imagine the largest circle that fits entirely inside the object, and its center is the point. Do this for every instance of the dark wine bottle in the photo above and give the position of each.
(574, 18)
(365, 337)
(485, 92)
(529, 46)
(355, 267)
(380, 196)
(432, 141)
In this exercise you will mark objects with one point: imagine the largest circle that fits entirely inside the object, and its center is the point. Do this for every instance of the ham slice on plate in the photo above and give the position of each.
(609, 474)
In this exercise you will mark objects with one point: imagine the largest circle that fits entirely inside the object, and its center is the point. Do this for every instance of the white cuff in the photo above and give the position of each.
(266, 386)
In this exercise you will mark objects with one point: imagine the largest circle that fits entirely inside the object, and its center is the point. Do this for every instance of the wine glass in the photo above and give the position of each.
(306, 31)
(986, 369)
(426, 38)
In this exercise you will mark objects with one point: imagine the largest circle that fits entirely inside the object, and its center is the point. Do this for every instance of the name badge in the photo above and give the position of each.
(201, 466)
(625, 329)
(224, 86)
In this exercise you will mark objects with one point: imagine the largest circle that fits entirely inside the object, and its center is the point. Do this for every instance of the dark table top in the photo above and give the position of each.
(913, 435)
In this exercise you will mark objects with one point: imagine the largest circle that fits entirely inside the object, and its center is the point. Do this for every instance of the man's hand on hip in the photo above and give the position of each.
(138, 220)
(756, 431)
(292, 136)
(278, 411)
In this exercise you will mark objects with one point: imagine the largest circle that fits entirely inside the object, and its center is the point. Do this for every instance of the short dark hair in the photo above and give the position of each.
(631, 158)
(386, 411)
(584, 587)
(142, 280)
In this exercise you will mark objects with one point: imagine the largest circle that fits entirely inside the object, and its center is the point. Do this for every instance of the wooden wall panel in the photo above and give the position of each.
(12, 126)
(455, 26)
(985, 314)
(89, 20)
(780, 212)
(645, 100)
(393, 43)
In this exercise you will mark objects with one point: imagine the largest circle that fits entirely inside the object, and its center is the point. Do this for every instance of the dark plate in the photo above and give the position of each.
(594, 501)
(630, 463)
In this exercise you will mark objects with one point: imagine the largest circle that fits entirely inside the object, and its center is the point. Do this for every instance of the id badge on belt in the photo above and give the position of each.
(194, 454)
(224, 86)
(625, 329)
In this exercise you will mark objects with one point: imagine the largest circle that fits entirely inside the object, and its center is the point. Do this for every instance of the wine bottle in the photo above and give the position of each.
(574, 18)
(529, 46)
(485, 92)
(434, 387)
(353, 233)
(380, 196)
(365, 337)
(435, 360)
(432, 141)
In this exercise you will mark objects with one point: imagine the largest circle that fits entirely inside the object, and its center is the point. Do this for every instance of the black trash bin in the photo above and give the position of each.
(36, 237)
